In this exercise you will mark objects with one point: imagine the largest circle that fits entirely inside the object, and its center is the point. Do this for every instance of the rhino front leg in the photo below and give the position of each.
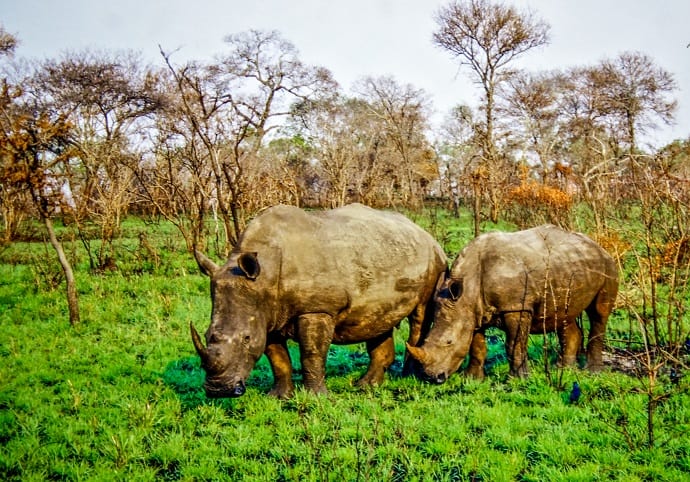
(381, 355)
(314, 335)
(279, 357)
(517, 327)
(478, 352)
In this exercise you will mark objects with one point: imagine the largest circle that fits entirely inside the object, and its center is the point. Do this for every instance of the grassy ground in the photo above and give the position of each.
(119, 397)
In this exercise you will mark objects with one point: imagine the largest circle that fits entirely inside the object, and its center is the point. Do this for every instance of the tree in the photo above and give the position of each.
(14, 201)
(34, 153)
(635, 93)
(401, 114)
(228, 108)
(344, 145)
(8, 42)
(105, 98)
(603, 108)
(531, 103)
(455, 153)
(487, 37)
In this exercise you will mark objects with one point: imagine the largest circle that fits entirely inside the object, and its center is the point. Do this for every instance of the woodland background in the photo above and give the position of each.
(112, 170)
(91, 138)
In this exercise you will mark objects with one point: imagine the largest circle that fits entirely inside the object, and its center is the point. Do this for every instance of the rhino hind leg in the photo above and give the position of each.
(570, 338)
(478, 352)
(381, 356)
(598, 314)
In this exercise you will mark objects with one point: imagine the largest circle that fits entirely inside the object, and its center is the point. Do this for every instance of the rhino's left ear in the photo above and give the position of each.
(249, 264)
(455, 288)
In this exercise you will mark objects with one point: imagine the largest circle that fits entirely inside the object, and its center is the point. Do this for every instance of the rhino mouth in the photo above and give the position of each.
(221, 390)
(438, 379)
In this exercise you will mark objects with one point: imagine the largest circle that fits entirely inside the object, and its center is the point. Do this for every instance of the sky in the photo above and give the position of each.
(358, 38)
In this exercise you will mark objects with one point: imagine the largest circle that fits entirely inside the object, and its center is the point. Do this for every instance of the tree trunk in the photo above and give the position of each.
(72, 297)
(477, 204)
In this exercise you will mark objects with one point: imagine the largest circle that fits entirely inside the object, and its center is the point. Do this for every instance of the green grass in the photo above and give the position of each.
(119, 397)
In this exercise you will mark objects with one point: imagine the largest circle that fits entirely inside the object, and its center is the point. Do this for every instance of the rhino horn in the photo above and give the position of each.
(200, 348)
(417, 353)
(206, 265)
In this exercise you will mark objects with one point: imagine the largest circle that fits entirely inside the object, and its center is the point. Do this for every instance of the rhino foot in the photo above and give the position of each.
(371, 378)
(282, 393)
(475, 371)
(566, 361)
(317, 390)
(521, 372)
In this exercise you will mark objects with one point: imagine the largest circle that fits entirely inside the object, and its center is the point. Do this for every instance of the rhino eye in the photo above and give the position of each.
(246, 340)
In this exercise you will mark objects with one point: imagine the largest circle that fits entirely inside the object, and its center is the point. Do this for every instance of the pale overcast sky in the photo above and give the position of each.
(357, 38)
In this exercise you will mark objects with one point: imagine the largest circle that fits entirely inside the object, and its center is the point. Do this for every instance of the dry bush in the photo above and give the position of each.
(676, 252)
(613, 243)
(533, 203)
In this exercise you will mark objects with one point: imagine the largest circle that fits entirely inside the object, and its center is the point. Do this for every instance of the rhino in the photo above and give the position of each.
(341, 276)
(538, 280)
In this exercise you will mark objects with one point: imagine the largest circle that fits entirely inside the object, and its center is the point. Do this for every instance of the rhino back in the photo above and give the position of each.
(543, 268)
(354, 262)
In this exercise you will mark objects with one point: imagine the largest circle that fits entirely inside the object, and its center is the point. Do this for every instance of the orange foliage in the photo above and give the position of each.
(676, 252)
(612, 243)
(532, 194)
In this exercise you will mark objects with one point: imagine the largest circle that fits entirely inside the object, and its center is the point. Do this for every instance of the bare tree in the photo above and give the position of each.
(456, 149)
(602, 109)
(8, 42)
(229, 108)
(343, 146)
(105, 97)
(531, 103)
(487, 37)
(402, 112)
(636, 94)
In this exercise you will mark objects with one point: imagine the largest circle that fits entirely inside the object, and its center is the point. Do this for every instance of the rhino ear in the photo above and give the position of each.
(455, 288)
(249, 264)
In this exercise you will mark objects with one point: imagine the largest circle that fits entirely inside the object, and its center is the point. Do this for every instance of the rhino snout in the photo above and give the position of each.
(436, 379)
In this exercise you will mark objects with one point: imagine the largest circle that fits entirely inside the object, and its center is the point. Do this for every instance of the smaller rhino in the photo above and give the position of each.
(534, 281)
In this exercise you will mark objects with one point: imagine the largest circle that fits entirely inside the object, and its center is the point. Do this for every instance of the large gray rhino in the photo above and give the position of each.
(343, 276)
(534, 281)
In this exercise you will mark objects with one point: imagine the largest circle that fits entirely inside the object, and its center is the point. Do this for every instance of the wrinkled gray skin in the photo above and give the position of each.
(343, 276)
(534, 281)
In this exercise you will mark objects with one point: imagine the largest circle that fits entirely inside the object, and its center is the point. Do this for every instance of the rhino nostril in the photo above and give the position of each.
(440, 378)
(239, 389)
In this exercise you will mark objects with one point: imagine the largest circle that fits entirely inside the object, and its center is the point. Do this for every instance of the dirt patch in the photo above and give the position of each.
(638, 362)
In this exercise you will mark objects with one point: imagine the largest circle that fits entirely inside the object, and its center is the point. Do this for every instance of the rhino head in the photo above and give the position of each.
(240, 317)
(450, 337)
